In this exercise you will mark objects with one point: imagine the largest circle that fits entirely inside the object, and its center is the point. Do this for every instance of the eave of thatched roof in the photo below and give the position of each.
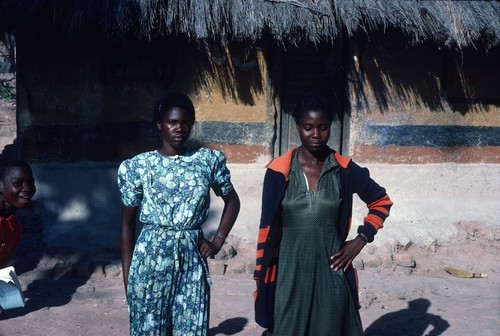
(457, 23)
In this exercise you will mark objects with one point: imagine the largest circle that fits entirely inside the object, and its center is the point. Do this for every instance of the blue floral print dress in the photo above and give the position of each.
(169, 283)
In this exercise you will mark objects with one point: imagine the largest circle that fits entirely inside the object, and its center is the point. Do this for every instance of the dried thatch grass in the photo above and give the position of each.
(457, 23)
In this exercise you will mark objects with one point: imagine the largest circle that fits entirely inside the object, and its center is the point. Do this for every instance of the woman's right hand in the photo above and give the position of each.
(208, 249)
(344, 258)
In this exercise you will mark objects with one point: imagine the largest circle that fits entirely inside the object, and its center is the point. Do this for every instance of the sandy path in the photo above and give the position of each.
(393, 303)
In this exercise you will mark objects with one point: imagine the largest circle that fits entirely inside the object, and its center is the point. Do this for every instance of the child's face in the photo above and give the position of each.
(18, 187)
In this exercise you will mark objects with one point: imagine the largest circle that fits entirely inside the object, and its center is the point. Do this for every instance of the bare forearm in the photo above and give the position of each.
(127, 240)
(126, 251)
(228, 218)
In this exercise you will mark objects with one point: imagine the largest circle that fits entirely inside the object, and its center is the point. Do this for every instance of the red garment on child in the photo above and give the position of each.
(11, 230)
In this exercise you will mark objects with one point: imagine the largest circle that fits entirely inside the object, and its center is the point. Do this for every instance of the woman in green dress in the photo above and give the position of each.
(305, 281)
(165, 271)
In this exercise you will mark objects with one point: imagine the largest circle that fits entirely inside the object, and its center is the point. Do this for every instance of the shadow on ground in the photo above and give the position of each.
(231, 326)
(50, 284)
(413, 321)
(40, 295)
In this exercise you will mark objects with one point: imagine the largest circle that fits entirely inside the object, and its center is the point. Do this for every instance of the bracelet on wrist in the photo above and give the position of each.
(363, 237)
(220, 235)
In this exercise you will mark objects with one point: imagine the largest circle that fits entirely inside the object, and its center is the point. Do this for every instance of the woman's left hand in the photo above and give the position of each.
(344, 258)
(208, 249)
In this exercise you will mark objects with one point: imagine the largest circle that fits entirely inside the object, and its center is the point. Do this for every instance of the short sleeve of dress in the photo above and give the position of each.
(221, 181)
(129, 184)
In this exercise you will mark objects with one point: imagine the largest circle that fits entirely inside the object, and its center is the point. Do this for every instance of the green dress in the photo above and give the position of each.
(311, 298)
(168, 285)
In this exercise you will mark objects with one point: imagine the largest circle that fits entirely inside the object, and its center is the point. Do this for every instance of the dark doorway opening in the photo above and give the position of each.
(311, 69)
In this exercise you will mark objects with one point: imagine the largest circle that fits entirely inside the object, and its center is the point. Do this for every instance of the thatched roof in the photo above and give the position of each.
(457, 23)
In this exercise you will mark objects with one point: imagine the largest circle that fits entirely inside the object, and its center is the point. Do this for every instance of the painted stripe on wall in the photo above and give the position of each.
(423, 155)
(244, 142)
(119, 152)
(145, 132)
(233, 133)
(430, 135)
(244, 153)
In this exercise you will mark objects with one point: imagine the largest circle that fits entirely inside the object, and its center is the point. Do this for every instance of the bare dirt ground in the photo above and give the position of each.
(78, 295)
(7, 124)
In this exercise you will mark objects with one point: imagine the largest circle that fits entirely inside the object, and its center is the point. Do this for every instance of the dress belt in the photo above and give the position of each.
(190, 234)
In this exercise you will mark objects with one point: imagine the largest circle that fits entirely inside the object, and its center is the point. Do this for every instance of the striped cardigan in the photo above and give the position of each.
(353, 179)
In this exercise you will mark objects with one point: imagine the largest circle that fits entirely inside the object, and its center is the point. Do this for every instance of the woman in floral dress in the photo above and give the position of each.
(165, 271)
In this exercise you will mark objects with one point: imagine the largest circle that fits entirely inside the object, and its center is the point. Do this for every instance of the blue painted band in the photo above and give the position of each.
(431, 135)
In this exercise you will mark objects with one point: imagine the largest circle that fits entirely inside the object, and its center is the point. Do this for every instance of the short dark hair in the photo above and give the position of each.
(170, 101)
(7, 164)
(312, 102)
